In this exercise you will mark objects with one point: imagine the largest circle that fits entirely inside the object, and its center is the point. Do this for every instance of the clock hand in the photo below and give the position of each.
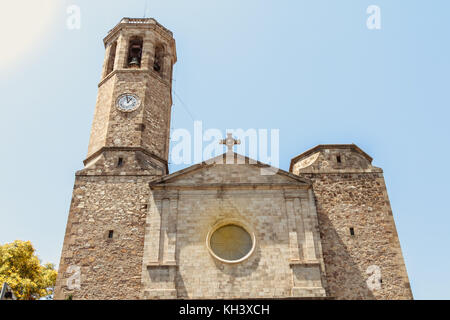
(128, 100)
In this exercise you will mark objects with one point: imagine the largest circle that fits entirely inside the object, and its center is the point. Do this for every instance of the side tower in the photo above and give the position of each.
(129, 145)
(361, 249)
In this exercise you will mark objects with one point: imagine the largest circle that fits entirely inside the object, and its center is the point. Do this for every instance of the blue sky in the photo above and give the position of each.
(309, 68)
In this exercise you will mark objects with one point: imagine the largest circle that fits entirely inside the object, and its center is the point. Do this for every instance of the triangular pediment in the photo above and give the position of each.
(230, 169)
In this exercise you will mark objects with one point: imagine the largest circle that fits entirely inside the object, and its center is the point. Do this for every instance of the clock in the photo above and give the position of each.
(128, 102)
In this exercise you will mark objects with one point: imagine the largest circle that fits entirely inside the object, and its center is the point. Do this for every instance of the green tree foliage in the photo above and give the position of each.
(21, 269)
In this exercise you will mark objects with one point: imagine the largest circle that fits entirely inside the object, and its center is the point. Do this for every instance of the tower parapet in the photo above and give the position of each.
(333, 158)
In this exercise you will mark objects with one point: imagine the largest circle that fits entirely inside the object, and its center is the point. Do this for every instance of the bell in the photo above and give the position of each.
(134, 62)
(156, 66)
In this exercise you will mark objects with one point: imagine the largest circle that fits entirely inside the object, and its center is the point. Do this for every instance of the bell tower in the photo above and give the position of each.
(128, 147)
(131, 126)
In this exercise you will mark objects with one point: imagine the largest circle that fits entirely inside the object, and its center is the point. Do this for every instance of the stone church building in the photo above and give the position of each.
(219, 229)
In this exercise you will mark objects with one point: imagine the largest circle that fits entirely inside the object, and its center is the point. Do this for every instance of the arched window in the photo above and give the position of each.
(134, 53)
(158, 59)
(111, 58)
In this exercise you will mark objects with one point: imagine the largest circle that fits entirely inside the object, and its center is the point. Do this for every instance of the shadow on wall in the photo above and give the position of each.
(243, 269)
(344, 278)
(234, 271)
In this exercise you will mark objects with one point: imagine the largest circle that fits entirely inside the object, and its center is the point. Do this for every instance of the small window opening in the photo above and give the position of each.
(135, 53)
(352, 231)
(120, 162)
(381, 280)
(158, 59)
(111, 58)
(110, 234)
(338, 159)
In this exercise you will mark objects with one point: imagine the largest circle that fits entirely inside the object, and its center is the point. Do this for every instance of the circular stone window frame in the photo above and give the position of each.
(226, 223)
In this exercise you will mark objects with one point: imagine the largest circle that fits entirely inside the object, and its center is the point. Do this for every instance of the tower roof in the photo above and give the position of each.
(139, 21)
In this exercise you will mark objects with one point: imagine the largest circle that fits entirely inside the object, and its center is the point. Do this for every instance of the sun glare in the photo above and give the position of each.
(25, 24)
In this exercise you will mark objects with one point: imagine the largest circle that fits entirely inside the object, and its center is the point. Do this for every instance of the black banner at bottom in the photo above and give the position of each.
(225, 309)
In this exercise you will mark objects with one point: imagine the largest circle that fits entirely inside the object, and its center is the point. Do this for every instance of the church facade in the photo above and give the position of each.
(221, 229)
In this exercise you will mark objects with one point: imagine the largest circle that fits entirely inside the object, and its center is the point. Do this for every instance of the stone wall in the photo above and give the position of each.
(130, 240)
(278, 210)
(147, 127)
(352, 194)
(100, 122)
(110, 268)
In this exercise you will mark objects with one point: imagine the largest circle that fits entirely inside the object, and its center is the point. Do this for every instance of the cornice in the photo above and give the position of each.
(140, 149)
(147, 72)
(252, 186)
(136, 23)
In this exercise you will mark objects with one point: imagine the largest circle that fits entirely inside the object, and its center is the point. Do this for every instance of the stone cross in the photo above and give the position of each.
(230, 142)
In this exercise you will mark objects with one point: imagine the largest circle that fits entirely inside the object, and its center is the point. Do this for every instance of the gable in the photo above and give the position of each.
(242, 171)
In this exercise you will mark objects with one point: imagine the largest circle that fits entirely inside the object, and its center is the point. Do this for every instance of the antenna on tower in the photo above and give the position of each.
(145, 10)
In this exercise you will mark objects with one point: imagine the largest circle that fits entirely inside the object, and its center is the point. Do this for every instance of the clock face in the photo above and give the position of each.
(128, 102)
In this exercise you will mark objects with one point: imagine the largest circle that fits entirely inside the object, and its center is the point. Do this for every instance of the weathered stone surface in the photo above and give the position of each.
(136, 232)
(185, 208)
(352, 194)
(110, 268)
(148, 127)
(126, 150)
